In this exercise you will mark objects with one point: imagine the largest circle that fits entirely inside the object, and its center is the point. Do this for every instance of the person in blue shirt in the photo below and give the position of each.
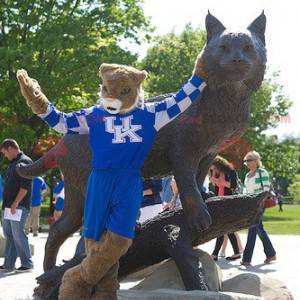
(122, 129)
(166, 194)
(39, 189)
(151, 203)
(59, 195)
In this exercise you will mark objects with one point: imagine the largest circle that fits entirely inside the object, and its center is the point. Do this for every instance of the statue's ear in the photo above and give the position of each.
(213, 26)
(258, 26)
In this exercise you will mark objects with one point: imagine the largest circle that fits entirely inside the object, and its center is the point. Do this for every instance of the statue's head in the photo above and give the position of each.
(121, 90)
(235, 56)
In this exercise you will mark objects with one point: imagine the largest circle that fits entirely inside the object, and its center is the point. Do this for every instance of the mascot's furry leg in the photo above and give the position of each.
(98, 269)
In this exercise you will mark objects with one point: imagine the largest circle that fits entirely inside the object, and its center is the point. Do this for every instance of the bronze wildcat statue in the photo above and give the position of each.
(234, 63)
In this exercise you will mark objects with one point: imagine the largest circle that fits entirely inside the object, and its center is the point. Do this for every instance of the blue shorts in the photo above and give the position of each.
(112, 202)
(59, 204)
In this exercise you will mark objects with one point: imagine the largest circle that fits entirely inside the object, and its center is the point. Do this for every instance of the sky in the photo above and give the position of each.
(282, 37)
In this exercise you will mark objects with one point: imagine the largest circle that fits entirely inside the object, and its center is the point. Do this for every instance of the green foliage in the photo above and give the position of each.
(269, 106)
(294, 189)
(279, 158)
(171, 59)
(286, 222)
(62, 44)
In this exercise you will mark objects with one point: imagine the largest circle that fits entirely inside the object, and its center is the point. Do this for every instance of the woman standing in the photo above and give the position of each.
(257, 181)
(223, 176)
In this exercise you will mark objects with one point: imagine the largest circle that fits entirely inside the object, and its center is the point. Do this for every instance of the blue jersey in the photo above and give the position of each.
(119, 144)
(122, 141)
(38, 186)
(58, 189)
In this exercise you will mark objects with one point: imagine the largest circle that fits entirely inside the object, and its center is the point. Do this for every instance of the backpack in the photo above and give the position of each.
(239, 186)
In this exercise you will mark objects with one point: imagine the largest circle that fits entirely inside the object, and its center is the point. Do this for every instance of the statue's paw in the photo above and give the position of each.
(200, 220)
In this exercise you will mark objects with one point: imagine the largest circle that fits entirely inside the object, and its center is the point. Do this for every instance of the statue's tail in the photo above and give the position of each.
(48, 161)
(35, 169)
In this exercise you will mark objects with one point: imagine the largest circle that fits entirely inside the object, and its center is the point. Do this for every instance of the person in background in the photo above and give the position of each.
(16, 198)
(257, 180)
(166, 193)
(59, 196)
(225, 242)
(151, 203)
(280, 202)
(39, 189)
(224, 179)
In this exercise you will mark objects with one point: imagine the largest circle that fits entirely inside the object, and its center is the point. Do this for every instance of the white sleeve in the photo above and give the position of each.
(171, 107)
(67, 123)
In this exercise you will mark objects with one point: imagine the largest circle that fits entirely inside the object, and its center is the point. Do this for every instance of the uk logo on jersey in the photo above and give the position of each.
(120, 132)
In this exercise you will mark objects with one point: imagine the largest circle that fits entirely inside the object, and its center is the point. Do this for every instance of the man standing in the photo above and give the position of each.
(39, 189)
(16, 195)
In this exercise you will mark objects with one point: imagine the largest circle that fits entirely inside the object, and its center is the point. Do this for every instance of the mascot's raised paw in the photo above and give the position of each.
(31, 91)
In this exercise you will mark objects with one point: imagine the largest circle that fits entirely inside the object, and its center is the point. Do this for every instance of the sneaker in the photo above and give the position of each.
(24, 269)
(245, 263)
(270, 259)
(4, 269)
(233, 257)
(214, 257)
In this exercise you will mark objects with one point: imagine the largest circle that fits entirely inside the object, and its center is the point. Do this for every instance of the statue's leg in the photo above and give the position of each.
(67, 224)
(179, 245)
(185, 170)
(203, 167)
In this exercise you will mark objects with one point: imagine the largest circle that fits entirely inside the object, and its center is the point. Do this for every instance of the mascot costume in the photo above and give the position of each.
(122, 129)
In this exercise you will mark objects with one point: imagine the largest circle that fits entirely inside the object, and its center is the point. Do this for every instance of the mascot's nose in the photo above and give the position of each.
(108, 98)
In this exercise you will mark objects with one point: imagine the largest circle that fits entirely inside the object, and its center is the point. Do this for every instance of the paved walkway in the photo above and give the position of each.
(20, 286)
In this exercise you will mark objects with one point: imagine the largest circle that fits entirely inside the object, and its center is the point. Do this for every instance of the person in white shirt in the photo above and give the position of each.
(256, 181)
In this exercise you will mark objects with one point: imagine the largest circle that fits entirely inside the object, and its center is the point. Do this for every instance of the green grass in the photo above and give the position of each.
(286, 222)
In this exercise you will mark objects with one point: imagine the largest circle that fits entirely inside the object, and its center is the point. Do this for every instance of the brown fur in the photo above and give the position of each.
(99, 269)
(73, 286)
(31, 91)
(123, 83)
(103, 254)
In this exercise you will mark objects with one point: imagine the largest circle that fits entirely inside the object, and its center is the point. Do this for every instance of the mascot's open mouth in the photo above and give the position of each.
(111, 108)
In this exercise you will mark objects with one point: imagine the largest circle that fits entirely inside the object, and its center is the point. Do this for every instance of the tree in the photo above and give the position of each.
(294, 189)
(171, 59)
(170, 62)
(61, 44)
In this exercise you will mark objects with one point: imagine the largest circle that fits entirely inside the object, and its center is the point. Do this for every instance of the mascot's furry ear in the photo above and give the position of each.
(112, 71)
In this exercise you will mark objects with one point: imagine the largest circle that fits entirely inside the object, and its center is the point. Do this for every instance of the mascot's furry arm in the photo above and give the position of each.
(31, 91)
(39, 103)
